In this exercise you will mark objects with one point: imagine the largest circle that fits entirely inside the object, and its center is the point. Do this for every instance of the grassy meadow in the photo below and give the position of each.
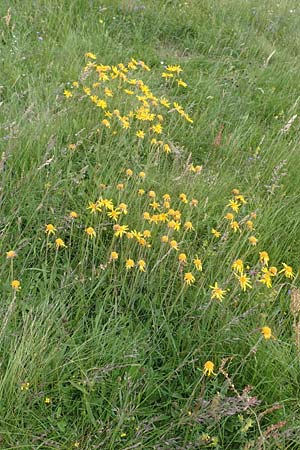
(149, 224)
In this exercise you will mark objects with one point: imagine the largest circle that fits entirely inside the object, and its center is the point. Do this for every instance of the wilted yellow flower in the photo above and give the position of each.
(267, 332)
(90, 232)
(252, 240)
(288, 271)
(208, 368)
(50, 229)
(194, 202)
(129, 172)
(198, 264)
(189, 278)
(106, 123)
(264, 258)
(250, 225)
(174, 244)
(60, 243)
(16, 285)
(216, 233)
(123, 207)
(217, 292)
(238, 266)
(164, 239)
(182, 258)
(120, 186)
(129, 263)
(141, 265)
(11, 254)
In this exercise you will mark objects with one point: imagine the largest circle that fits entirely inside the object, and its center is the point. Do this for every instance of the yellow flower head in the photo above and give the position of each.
(90, 232)
(216, 233)
(151, 194)
(141, 265)
(208, 368)
(174, 244)
(288, 271)
(264, 258)
(50, 229)
(217, 292)
(252, 240)
(164, 239)
(47, 400)
(73, 215)
(114, 256)
(120, 229)
(129, 264)
(11, 254)
(229, 216)
(60, 243)
(189, 278)
(182, 258)
(129, 172)
(16, 285)
(142, 175)
(235, 226)
(120, 186)
(25, 386)
(244, 281)
(183, 198)
(238, 266)
(267, 332)
(198, 264)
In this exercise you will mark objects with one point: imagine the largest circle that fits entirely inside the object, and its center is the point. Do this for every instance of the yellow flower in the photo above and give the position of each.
(147, 233)
(250, 225)
(75, 84)
(106, 123)
(266, 279)
(146, 215)
(183, 198)
(182, 258)
(108, 204)
(50, 229)
(60, 243)
(241, 199)
(24, 386)
(90, 55)
(217, 292)
(11, 254)
(235, 226)
(216, 233)
(94, 207)
(288, 271)
(189, 278)
(198, 264)
(273, 271)
(142, 175)
(114, 214)
(267, 332)
(252, 240)
(142, 265)
(120, 230)
(157, 128)
(129, 264)
(164, 239)
(208, 368)
(73, 215)
(141, 192)
(235, 191)
(174, 244)
(194, 202)
(151, 194)
(167, 148)
(47, 400)
(244, 281)
(123, 207)
(167, 197)
(114, 256)
(120, 186)
(181, 83)
(175, 68)
(140, 134)
(16, 285)
(90, 232)
(129, 172)
(264, 258)
(155, 205)
(229, 216)
(238, 266)
(235, 206)
(68, 93)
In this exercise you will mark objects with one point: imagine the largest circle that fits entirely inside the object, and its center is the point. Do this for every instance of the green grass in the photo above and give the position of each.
(120, 354)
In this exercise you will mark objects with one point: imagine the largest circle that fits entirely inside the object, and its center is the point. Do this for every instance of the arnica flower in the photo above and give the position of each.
(273, 271)
(147, 233)
(267, 332)
(215, 232)
(68, 93)
(114, 256)
(140, 134)
(229, 216)
(217, 292)
(238, 266)
(120, 229)
(129, 263)
(167, 197)
(11, 254)
(141, 265)
(129, 172)
(235, 191)
(93, 207)
(183, 198)
(235, 206)
(188, 226)
(60, 243)
(264, 258)
(50, 229)
(194, 202)
(142, 175)
(90, 232)
(174, 244)
(114, 214)
(208, 368)
(250, 225)
(120, 186)
(141, 192)
(180, 82)
(198, 264)
(288, 271)
(253, 240)
(189, 278)
(235, 226)
(244, 281)
(182, 258)
(164, 239)
(151, 194)
(16, 285)
(73, 215)
(266, 278)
